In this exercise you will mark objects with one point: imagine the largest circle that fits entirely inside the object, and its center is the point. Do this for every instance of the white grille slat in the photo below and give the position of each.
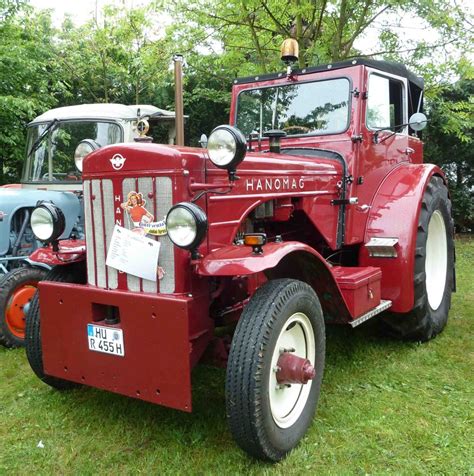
(145, 186)
(108, 196)
(128, 185)
(97, 212)
(89, 240)
(164, 201)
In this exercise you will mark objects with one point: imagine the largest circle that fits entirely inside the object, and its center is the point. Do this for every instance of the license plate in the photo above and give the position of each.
(105, 339)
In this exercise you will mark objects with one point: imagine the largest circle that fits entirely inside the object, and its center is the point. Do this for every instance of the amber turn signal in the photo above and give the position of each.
(255, 239)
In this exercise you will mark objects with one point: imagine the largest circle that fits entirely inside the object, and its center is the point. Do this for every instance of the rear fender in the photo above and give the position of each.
(394, 213)
(70, 251)
(281, 260)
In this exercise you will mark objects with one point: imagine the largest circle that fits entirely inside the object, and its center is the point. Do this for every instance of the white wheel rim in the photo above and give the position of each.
(436, 261)
(287, 403)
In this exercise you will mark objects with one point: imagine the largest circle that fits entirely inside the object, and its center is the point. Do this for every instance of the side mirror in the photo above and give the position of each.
(203, 141)
(418, 121)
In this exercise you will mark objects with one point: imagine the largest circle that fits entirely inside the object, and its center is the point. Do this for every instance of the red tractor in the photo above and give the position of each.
(313, 207)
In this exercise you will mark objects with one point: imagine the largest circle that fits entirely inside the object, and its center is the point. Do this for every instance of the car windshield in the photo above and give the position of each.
(53, 159)
(320, 107)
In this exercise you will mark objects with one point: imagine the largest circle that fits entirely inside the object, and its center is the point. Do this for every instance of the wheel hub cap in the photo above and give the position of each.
(294, 369)
(15, 311)
(289, 396)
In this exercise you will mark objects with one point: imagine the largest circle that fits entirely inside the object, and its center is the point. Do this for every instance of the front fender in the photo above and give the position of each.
(70, 251)
(241, 260)
(290, 259)
(394, 213)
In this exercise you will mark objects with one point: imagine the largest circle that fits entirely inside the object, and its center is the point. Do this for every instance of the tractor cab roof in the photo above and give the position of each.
(386, 66)
(104, 111)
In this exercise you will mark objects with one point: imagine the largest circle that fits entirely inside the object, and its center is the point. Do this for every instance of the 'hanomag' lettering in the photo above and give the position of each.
(274, 184)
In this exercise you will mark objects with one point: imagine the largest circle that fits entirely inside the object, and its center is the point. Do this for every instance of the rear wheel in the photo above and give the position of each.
(275, 369)
(73, 273)
(434, 269)
(17, 289)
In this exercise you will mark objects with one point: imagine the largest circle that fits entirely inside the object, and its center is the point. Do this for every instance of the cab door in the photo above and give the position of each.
(384, 143)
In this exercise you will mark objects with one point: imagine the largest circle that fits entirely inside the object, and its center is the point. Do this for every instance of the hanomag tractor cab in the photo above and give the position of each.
(57, 141)
(312, 207)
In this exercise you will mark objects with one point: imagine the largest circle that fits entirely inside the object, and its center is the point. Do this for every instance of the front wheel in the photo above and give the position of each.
(17, 289)
(275, 369)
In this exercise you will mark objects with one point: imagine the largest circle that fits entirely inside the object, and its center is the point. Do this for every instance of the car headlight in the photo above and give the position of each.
(84, 148)
(47, 221)
(186, 224)
(226, 147)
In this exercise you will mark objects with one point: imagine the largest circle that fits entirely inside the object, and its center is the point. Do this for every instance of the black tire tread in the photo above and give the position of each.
(243, 392)
(420, 324)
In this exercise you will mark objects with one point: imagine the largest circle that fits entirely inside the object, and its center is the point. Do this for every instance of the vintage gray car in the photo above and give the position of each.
(52, 172)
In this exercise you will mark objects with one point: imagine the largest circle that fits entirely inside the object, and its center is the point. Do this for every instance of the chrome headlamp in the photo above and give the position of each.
(84, 148)
(226, 147)
(47, 221)
(186, 224)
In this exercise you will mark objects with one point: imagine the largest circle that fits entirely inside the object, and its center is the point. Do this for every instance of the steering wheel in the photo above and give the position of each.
(296, 127)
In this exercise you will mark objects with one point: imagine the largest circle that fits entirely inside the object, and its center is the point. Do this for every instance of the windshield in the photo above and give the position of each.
(53, 160)
(320, 107)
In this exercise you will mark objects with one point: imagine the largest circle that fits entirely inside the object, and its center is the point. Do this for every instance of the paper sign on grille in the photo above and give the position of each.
(133, 254)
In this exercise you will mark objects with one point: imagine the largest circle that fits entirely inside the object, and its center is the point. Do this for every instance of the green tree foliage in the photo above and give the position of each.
(30, 81)
(450, 141)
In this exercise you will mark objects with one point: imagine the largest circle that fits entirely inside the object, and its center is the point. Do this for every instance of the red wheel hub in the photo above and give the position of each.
(15, 314)
(294, 369)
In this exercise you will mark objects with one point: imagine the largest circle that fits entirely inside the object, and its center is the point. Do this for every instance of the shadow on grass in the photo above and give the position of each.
(206, 427)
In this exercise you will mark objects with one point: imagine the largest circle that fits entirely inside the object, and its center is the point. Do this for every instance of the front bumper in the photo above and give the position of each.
(163, 337)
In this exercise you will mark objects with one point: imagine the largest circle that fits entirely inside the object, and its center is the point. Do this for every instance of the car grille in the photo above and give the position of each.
(100, 221)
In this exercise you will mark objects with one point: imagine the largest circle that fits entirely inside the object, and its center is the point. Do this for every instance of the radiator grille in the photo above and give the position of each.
(100, 221)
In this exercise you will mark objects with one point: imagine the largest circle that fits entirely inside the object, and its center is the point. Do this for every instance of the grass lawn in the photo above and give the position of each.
(386, 407)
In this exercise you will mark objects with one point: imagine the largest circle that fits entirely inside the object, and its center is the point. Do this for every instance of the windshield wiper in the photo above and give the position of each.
(50, 127)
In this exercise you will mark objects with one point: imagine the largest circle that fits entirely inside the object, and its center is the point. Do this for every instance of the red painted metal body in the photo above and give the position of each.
(70, 251)
(164, 337)
(305, 230)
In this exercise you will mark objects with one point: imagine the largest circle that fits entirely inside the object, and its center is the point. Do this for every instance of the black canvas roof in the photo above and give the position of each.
(386, 66)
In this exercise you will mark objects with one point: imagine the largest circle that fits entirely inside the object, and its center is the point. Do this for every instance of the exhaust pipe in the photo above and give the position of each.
(178, 98)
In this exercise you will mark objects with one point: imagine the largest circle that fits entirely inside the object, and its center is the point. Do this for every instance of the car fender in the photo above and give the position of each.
(394, 213)
(70, 251)
(289, 259)
(13, 199)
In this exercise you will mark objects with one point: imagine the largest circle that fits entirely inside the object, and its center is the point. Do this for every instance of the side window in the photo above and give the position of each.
(385, 102)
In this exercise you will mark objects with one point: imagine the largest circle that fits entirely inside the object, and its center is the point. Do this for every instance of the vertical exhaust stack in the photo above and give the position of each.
(178, 98)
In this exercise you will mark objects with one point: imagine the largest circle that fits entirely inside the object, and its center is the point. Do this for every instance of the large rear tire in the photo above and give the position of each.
(268, 419)
(17, 289)
(72, 273)
(434, 269)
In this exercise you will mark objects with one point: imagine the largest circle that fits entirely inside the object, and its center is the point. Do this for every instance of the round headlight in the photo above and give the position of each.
(186, 225)
(47, 221)
(226, 147)
(84, 147)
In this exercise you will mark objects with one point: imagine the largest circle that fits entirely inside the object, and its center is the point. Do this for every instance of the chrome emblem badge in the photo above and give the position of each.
(117, 161)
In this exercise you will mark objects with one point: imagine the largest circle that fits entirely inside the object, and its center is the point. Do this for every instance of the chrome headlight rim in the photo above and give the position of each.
(47, 213)
(200, 222)
(240, 145)
(83, 149)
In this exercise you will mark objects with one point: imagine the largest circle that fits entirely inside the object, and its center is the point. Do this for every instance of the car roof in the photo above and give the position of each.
(103, 111)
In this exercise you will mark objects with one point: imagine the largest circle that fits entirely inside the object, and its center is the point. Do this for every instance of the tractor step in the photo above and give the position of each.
(382, 247)
(384, 305)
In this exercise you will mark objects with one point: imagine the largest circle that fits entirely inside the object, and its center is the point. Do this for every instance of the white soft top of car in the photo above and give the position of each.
(103, 111)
